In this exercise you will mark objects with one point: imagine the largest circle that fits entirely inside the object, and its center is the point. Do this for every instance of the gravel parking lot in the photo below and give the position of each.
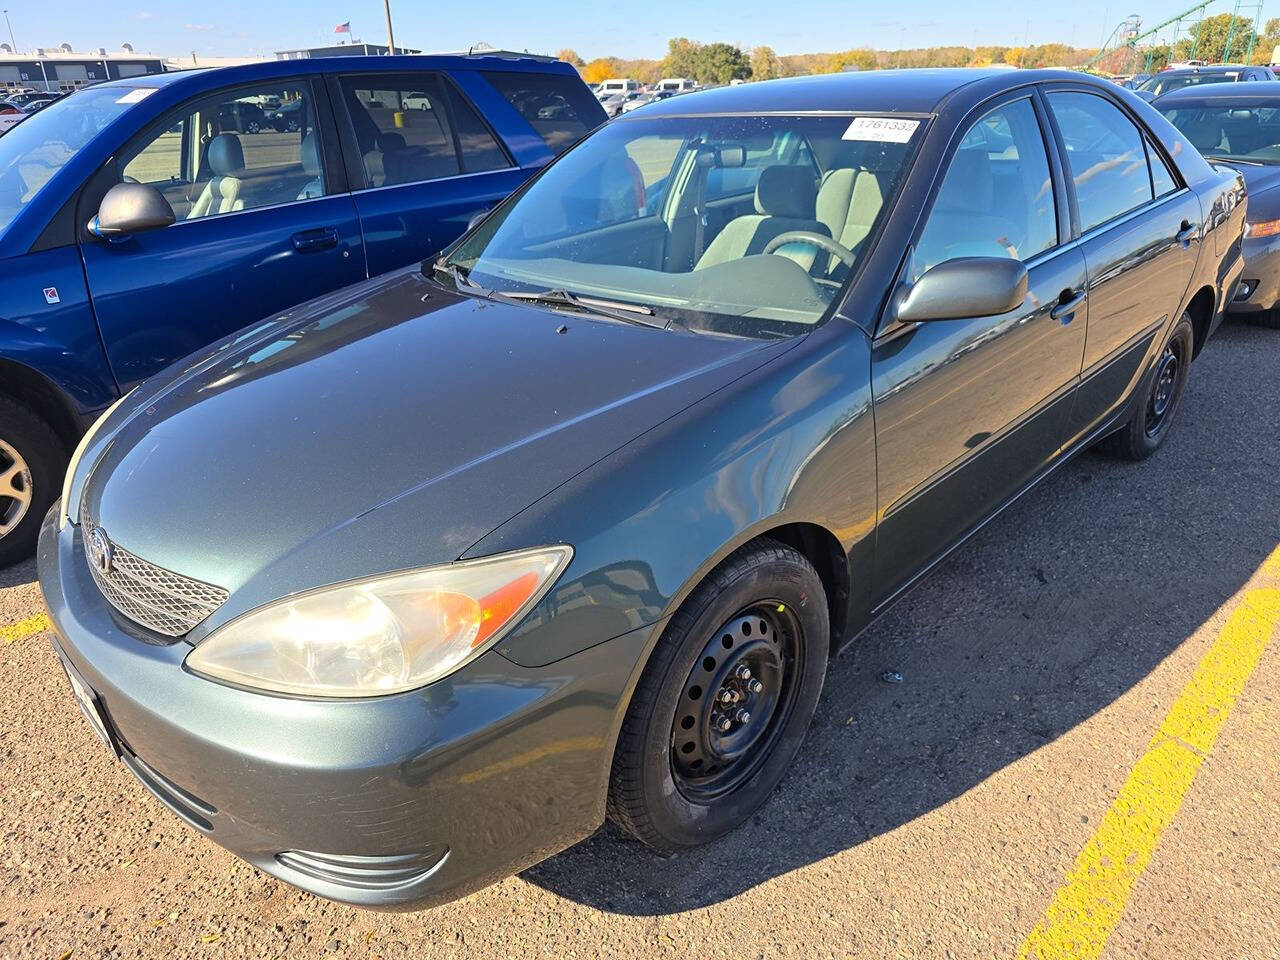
(936, 817)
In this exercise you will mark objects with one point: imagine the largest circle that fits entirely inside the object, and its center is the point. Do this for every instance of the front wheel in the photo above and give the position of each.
(32, 462)
(1158, 400)
(725, 700)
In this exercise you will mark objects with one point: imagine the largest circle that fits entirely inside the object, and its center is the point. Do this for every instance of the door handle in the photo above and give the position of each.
(1187, 233)
(310, 241)
(1068, 303)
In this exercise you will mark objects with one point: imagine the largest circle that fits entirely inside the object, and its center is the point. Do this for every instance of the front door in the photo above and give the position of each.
(261, 225)
(968, 411)
(429, 164)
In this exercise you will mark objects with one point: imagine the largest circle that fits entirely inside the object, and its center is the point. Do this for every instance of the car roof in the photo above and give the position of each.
(878, 91)
(268, 69)
(1255, 90)
(1208, 68)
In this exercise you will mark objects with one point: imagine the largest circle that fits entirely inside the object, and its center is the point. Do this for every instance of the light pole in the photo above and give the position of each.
(12, 42)
(391, 37)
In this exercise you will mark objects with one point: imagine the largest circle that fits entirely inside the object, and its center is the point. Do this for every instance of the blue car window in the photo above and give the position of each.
(235, 150)
(559, 108)
(413, 128)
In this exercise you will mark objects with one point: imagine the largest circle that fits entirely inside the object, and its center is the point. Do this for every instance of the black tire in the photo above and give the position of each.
(648, 796)
(1157, 400)
(45, 459)
(253, 127)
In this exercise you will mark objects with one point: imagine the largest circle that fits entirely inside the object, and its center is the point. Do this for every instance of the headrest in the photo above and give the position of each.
(311, 155)
(390, 141)
(226, 156)
(786, 191)
(974, 189)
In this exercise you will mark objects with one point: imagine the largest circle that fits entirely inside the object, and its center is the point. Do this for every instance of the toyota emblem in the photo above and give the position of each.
(99, 550)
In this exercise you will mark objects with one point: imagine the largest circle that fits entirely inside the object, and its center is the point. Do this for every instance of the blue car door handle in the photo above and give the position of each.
(309, 241)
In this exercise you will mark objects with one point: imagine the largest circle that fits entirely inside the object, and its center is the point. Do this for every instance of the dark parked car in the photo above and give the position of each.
(143, 218)
(1240, 126)
(403, 591)
(1166, 81)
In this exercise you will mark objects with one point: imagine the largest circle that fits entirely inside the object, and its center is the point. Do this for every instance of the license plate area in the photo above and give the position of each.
(89, 705)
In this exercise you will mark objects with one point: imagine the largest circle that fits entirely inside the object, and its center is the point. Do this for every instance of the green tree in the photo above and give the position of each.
(1208, 39)
(682, 57)
(720, 63)
(765, 64)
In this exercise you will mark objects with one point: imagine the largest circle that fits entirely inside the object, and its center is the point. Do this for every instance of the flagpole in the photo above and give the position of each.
(391, 37)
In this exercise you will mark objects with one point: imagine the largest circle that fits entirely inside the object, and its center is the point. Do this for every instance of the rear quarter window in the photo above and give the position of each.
(559, 108)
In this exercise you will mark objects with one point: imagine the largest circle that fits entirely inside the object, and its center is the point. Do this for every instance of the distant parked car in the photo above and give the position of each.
(1240, 126)
(10, 116)
(417, 101)
(101, 287)
(290, 117)
(644, 99)
(1169, 80)
(613, 103)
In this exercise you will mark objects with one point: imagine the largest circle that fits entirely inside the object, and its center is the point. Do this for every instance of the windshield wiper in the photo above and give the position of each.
(615, 309)
(458, 275)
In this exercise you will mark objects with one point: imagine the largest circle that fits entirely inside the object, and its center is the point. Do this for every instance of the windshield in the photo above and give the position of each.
(1163, 83)
(1232, 131)
(36, 149)
(745, 225)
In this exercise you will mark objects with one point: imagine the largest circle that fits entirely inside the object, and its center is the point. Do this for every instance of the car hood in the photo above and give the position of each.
(393, 428)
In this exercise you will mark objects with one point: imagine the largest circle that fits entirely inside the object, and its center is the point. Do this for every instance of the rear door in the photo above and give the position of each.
(264, 221)
(423, 160)
(1140, 230)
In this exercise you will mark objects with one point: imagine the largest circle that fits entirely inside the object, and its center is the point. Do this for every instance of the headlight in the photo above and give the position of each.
(382, 635)
(1262, 228)
(69, 510)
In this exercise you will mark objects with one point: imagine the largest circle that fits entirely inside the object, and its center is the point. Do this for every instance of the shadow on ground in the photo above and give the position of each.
(18, 574)
(1055, 610)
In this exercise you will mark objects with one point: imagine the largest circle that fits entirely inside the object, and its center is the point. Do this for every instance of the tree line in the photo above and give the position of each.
(719, 63)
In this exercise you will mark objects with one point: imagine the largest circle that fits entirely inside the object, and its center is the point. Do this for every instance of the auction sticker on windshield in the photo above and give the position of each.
(881, 129)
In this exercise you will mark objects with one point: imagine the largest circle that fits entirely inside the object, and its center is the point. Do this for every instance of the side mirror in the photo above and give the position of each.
(131, 207)
(961, 288)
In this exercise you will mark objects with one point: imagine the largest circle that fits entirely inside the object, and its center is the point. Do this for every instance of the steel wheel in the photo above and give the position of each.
(1163, 389)
(15, 487)
(736, 700)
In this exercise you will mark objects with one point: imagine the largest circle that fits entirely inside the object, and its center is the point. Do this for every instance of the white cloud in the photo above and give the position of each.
(199, 27)
(145, 15)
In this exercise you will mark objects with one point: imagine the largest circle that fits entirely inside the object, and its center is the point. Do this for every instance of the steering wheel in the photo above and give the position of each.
(846, 256)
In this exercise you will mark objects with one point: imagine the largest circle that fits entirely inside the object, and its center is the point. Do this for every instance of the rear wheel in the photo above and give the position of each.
(32, 460)
(1158, 399)
(725, 700)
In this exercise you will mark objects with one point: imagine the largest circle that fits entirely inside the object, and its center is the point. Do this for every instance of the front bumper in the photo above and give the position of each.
(397, 802)
(1262, 274)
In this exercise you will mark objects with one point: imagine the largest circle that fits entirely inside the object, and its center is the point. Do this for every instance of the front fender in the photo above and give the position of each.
(791, 442)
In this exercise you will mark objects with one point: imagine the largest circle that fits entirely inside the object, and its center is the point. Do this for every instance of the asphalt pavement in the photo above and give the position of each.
(1080, 759)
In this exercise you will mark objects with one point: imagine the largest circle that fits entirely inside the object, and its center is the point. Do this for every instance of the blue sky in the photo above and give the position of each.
(635, 29)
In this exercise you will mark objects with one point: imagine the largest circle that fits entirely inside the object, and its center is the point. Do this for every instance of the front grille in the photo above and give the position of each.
(159, 599)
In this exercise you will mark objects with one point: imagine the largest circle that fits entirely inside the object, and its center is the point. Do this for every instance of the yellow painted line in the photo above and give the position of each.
(24, 628)
(1089, 904)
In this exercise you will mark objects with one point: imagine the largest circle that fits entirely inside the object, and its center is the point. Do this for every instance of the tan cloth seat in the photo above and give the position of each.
(849, 201)
(785, 197)
(222, 193)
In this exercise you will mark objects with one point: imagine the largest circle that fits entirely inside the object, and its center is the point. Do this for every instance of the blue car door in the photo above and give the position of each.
(264, 221)
(423, 163)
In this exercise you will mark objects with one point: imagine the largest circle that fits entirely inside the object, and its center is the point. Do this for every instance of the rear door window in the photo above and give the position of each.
(1107, 160)
(559, 108)
(413, 128)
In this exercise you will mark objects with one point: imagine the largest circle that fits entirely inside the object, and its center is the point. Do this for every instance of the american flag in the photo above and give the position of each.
(343, 27)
